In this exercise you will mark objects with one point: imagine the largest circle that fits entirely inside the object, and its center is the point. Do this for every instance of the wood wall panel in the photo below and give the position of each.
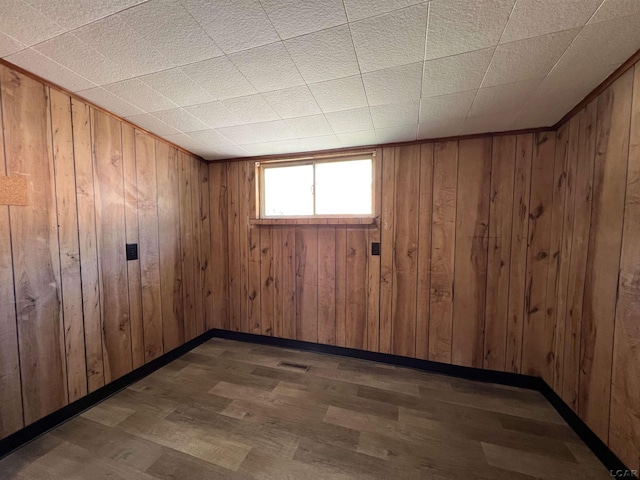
(83, 317)
(306, 283)
(206, 253)
(424, 251)
(356, 288)
(219, 244)
(187, 243)
(386, 247)
(326, 285)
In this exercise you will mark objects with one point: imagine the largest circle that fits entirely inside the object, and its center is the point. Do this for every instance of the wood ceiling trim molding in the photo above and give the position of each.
(29, 74)
(606, 83)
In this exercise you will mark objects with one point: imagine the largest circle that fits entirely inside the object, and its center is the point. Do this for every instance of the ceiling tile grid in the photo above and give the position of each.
(229, 78)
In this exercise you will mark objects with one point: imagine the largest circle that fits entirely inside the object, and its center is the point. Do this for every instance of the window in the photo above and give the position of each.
(317, 188)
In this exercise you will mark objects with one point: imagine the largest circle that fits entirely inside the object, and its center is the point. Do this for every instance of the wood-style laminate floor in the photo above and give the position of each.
(236, 410)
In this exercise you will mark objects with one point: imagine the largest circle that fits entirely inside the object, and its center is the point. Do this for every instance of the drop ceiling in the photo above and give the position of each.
(239, 78)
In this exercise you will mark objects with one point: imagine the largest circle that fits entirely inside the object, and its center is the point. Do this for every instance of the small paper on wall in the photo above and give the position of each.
(13, 191)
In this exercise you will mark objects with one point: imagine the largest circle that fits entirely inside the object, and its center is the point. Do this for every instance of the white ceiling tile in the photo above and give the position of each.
(220, 78)
(227, 152)
(25, 24)
(9, 45)
(185, 141)
(74, 13)
(446, 107)
(153, 124)
(214, 114)
(115, 39)
(71, 52)
(503, 98)
(531, 18)
(350, 120)
(457, 73)
(257, 149)
(46, 68)
(341, 94)
(210, 138)
(268, 68)
(488, 123)
(168, 28)
(109, 101)
(292, 18)
(393, 85)
(440, 129)
(175, 85)
(541, 53)
(233, 24)
(138, 93)
(610, 9)
(241, 134)
(293, 102)
(251, 109)
(324, 55)
(359, 9)
(404, 133)
(395, 115)
(274, 131)
(457, 26)
(355, 139)
(311, 126)
(181, 120)
(326, 142)
(392, 39)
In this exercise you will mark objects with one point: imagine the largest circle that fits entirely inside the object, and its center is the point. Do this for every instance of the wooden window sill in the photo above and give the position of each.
(314, 221)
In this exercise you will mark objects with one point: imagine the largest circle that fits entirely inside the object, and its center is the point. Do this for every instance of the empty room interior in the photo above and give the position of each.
(319, 239)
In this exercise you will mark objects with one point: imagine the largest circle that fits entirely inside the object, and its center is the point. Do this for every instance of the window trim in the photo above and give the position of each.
(261, 219)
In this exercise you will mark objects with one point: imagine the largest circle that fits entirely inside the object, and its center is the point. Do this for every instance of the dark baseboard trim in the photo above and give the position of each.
(615, 466)
(31, 432)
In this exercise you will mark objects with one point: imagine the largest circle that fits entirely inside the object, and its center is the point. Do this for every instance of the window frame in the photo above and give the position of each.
(261, 166)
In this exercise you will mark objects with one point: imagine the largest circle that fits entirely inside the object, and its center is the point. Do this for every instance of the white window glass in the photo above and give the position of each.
(344, 188)
(288, 191)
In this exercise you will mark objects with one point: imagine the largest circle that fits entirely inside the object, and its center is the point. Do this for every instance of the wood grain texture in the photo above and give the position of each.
(445, 179)
(406, 205)
(356, 288)
(187, 242)
(267, 278)
(373, 261)
(11, 418)
(503, 162)
(534, 361)
(196, 218)
(306, 283)
(605, 239)
(170, 250)
(424, 251)
(112, 268)
(235, 294)
(386, 248)
(326, 285)
(87, 239)
(471, 240)
(67, 221)
(219, 244)
(341, 286)
(624, 436)
(206, 269)
(253, 238)
(149, 245)
(134, 278)
(35, 250)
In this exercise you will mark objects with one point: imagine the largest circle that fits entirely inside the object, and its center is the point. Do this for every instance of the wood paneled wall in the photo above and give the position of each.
(74, 314)
(501, 253)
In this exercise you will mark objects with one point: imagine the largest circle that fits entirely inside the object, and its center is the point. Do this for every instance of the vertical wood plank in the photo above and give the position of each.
(289, 290)
(424, 250)
(341, 286)
(267, 277)
(132, 236)
(205, 244)
(196, 218)
(65, 188)
(235, 294)
(11, 418)
(624, 432)
(306, 283)
(276, 270)
(470, 272)
(149, 245)
(253, 238)
(386, 248)
(82, 145)
(110, 220)
(405, 249)
(243, 241)
(503, 160)
(605, 241)
(519, 238)
(219, 244)
(579, 253)
(356, 288)
(445, 178)
(167, 171)
(188, 247)
(36, 261)
(533, 348)
(373, 261)
(327, 285)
